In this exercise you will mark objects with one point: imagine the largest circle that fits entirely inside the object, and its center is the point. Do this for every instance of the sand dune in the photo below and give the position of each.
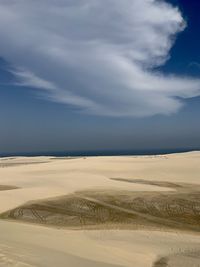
(121, 209)
(110, 211)
(52, 177)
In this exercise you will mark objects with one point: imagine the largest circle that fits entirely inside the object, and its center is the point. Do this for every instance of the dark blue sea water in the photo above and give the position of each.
(100, 152)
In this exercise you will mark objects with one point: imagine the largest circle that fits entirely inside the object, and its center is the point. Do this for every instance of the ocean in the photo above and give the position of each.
(99, 153)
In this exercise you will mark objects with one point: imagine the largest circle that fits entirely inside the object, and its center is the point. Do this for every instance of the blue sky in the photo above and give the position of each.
(71, 79)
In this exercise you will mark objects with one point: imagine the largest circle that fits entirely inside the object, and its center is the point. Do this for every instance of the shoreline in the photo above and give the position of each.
(99, 153)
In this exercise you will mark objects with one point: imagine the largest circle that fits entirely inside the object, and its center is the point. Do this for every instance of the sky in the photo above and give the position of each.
(99, 75)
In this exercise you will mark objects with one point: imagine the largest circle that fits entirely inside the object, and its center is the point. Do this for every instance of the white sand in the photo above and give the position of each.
(61, 177)
(24, 245)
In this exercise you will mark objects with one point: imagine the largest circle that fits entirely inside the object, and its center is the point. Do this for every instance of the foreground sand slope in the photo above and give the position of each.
(27, 245)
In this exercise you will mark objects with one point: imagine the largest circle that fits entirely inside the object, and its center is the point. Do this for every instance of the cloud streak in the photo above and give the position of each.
(97, 55)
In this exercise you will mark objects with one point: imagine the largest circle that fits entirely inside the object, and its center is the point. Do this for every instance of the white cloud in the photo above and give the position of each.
(98, 55)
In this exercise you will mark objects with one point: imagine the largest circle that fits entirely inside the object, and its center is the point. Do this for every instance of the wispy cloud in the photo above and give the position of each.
(29, 79)
(98, 55)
